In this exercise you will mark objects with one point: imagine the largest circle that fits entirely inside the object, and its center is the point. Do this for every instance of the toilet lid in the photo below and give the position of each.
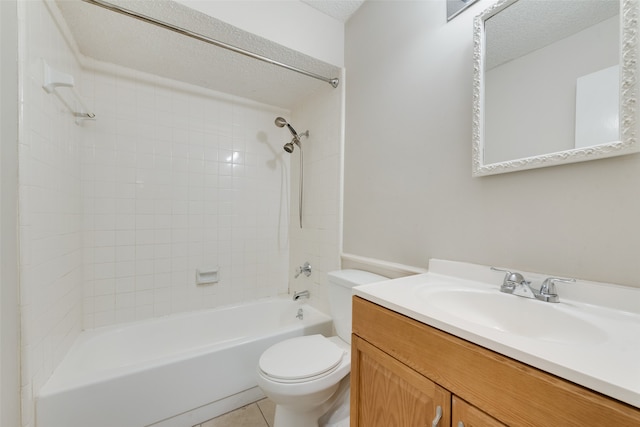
(300, 358)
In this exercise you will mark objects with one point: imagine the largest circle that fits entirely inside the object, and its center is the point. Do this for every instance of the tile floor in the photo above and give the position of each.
(259, 414)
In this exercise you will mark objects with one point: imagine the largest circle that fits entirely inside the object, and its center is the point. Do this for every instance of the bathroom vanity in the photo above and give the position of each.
(406, 372)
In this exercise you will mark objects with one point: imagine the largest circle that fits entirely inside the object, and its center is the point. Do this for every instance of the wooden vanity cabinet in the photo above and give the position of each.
(402, 370)
(465, 415)
(391, 394)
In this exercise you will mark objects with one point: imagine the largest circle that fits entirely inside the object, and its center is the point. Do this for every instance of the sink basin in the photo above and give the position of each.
(516, 315)
(591, 337)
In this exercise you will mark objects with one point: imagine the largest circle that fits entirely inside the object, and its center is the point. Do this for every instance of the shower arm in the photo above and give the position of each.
(124, 11)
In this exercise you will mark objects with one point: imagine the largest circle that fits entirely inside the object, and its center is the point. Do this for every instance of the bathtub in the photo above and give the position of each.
(177, 370)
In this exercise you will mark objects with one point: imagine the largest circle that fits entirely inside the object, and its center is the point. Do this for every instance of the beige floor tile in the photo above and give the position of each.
(268, 409)
(248, 416)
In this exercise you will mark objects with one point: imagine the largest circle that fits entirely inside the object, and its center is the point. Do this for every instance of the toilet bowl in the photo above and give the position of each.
(308, 377)
(303, 391)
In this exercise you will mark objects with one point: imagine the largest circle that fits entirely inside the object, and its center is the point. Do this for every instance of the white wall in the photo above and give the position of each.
(290, 23)
(409, 194)
(175, 179)
(9, 314)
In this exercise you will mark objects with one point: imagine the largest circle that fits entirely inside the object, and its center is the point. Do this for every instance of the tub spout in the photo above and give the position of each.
(301, 294)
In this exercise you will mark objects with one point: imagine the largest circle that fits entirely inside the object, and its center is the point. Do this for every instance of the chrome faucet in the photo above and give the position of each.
(515, 283)
(305, 268)
(548, 291)
(301, 294)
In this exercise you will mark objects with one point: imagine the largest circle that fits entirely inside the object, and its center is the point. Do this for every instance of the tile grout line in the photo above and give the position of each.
(262, 413)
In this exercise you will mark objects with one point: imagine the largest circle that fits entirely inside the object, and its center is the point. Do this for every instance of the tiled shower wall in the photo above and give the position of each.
(116, 215)
(176, 179)
(50, 204)
(318, 242)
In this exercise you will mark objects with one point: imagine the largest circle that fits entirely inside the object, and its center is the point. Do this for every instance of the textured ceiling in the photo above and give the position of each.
(111, 37)
(528, 25)
(338, 9)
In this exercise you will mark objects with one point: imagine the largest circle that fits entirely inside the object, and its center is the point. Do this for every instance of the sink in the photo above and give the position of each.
(515, 315)
(591, 337)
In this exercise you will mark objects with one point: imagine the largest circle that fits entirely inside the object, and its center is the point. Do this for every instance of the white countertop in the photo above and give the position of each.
(605, 358)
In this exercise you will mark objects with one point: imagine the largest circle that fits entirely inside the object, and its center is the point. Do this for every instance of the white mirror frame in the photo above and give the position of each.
(628, 93)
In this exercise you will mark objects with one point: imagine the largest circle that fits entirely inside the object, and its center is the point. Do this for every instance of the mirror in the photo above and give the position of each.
(554, 83)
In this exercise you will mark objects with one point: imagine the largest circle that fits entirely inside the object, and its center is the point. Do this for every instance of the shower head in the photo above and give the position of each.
(288, 147)
(281, 122)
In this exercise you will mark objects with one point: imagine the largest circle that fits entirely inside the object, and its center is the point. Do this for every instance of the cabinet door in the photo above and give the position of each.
(387, 393)
(466, 415)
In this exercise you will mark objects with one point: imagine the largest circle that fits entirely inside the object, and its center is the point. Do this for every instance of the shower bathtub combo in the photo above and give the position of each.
(172, 371)
(182, 369)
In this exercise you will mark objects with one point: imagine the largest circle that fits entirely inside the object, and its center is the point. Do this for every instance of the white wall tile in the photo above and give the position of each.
(51, 207)
(182, 149)
(318, 242)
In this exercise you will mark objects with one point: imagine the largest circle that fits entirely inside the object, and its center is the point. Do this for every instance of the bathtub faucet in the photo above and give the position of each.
(298, 295)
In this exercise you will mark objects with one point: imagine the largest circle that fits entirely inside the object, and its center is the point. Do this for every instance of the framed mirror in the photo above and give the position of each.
(554, 82)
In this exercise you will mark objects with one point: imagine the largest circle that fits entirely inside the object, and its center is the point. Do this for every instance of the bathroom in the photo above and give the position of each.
(401, 194)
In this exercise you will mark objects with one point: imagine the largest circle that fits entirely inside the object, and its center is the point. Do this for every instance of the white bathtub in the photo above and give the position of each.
(177, 370)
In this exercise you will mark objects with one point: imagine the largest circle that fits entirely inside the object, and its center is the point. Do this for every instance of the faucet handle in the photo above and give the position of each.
(305, 268)
(548, 289)
(511, 280)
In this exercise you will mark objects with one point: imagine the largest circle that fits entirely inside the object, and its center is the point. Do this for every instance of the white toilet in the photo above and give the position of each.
(308, 377)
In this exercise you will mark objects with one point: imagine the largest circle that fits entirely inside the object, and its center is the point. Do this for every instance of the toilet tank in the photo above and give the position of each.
(340, 294)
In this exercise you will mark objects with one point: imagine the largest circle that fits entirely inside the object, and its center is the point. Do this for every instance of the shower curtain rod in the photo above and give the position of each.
(332, 81)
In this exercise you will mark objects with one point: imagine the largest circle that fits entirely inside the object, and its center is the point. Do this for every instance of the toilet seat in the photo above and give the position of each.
(301, 359)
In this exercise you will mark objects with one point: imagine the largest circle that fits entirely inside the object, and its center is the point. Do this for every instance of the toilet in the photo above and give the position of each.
(308, 377)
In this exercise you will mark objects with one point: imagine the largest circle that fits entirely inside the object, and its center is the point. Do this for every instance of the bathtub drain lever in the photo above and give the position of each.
(300, 314)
